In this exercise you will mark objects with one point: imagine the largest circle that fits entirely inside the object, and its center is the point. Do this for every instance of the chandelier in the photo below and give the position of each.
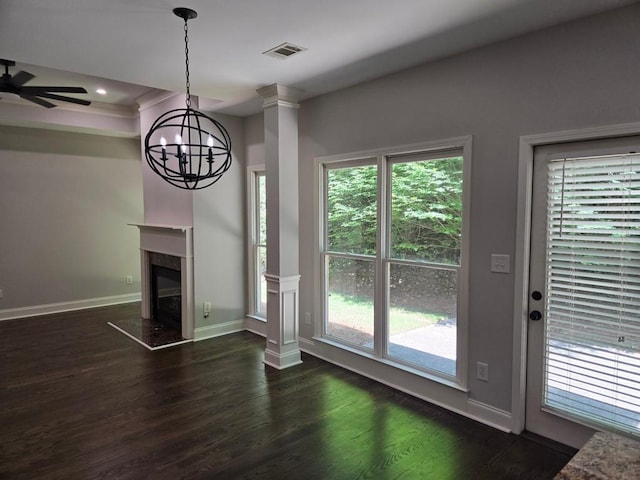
(187, 148)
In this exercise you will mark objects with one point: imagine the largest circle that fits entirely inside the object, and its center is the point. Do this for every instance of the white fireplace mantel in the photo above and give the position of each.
(176, 240)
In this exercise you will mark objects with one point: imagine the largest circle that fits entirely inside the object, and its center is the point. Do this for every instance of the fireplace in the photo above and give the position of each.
(166, 293)
(167, 275)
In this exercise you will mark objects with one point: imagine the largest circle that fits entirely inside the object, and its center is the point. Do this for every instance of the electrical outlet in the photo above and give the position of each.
(206, 307)
(129, 279)
(482, 371)
(307, 318)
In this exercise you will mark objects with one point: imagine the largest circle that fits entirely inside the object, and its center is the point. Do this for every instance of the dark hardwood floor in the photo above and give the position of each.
(80, 400)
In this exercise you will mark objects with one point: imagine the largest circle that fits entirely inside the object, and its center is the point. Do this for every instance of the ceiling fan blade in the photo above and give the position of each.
(61, 98)
(37, 100)
(38, 90)
(21, 78)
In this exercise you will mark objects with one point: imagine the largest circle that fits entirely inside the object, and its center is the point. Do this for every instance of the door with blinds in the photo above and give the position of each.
(583, 364)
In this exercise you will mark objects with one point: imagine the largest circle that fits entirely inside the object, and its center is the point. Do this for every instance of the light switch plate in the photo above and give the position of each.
(500, 263)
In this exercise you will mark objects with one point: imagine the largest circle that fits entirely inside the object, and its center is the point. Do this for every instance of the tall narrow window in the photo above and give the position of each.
(393, 257)
(258, 242)
(351, 227)
(425, 216)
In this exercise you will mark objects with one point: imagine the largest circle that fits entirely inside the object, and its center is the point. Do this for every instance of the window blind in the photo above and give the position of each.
(592, 329)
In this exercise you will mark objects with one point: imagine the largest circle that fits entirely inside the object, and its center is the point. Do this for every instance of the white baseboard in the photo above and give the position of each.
(305, 344)
(211, 331)
(494, 417)
(34, 310)
(452, 399)
(253, 325)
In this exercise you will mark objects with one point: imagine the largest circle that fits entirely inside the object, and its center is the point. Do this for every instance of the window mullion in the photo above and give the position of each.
(381, 269)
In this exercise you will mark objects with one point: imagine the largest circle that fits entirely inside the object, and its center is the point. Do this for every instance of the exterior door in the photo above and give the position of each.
(583, 353)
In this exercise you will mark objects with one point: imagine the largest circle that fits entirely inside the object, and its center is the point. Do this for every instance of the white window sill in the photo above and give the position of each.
(449, 382)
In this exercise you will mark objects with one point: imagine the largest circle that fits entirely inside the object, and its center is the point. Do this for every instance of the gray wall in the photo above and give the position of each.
(254, 140)
(164, 204)
(577, 75)
(65, 200)
(219, 239)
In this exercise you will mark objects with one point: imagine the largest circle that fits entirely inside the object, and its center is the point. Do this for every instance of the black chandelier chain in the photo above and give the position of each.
(187, 148)
(186, 63)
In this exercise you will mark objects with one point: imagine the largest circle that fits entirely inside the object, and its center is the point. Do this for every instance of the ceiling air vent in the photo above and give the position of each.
(284, 50)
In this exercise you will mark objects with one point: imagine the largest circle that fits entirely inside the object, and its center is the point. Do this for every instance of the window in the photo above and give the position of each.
(392, 257)
(257, 242)
(350, 252)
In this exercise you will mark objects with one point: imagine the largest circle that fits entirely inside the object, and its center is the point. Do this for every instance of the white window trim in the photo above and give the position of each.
(252, 173)
(463, 143)
(528, 144)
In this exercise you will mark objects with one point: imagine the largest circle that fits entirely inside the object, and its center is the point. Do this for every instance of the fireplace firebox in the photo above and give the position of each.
(166, 296)
(166, 289)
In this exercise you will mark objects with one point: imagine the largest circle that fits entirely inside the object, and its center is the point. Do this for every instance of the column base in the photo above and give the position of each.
(282, 350)
(281, 361)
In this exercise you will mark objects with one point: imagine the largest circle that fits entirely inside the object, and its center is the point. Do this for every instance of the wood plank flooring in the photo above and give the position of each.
(80, 400)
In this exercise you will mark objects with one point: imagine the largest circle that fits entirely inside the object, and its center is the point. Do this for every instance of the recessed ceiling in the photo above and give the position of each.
(129, 46)
(116, 92)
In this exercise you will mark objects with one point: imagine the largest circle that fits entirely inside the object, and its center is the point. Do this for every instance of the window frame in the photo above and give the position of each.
(384, 159)
(326, 254)
(254, 173)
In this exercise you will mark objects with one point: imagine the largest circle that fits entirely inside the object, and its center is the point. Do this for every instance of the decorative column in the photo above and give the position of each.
(281, 161)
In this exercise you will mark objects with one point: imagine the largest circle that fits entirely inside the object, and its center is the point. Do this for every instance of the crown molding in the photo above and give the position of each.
(279, 95)
(153, 97)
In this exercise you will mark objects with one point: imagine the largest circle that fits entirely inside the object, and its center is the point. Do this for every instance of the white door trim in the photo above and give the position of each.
(523, 226)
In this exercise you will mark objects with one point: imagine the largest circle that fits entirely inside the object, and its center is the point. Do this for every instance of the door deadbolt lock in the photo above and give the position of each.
(535, 315)
(536, 295)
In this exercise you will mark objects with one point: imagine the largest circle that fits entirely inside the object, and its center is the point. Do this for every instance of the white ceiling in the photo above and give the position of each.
(139, 44)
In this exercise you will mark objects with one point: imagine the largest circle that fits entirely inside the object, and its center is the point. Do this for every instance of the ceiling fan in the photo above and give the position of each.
(15, 84)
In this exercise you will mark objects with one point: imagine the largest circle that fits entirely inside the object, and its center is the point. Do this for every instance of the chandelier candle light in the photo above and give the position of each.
(201, 151)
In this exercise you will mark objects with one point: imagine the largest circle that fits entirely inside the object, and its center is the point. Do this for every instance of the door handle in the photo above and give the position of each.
(535, 315)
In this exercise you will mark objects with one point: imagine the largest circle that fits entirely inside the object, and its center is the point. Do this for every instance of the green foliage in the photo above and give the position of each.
(352, 209)
(262, 209)
(426, 210)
